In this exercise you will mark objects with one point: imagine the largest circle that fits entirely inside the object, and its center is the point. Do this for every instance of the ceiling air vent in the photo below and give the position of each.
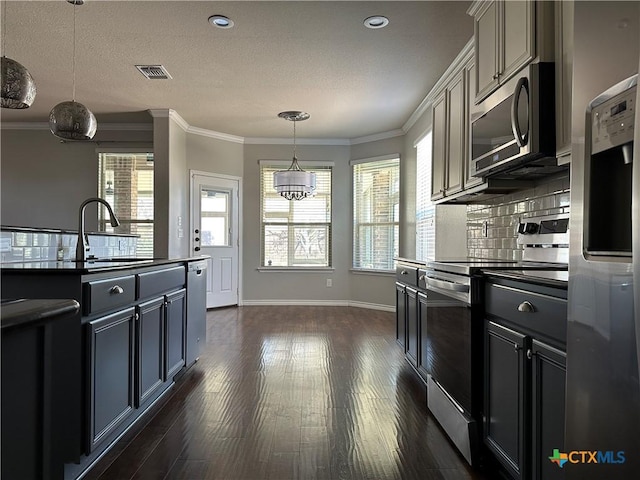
(154, 72)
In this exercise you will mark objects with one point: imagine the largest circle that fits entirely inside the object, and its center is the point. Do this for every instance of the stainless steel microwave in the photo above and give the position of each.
(513, 131)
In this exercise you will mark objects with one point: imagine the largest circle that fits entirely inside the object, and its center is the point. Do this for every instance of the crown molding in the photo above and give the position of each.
(377, 136)
(182, 123)
(218, 135)
(465, 55)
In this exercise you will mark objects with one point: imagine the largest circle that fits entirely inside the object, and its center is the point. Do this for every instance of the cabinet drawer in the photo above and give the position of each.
(160, 281)
(108, 294)
(407, 274)
(533, 312)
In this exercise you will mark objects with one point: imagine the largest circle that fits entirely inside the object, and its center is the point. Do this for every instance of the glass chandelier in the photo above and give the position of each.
(72, 120)
(294, 183)
(18, 87)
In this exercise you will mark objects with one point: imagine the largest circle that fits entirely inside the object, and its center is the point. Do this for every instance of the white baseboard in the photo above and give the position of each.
(323, 303)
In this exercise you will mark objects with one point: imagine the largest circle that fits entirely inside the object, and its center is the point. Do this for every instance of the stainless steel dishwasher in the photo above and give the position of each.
(196, 309)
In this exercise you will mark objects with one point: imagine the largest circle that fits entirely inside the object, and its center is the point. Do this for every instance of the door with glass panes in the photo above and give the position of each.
(214, 232)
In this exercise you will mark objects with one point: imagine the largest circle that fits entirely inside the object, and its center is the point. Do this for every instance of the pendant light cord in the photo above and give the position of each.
(73, 62)
(294, 139)
(4, 28)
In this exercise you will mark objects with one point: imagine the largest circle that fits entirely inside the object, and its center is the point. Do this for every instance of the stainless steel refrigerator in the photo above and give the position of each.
(602, 428)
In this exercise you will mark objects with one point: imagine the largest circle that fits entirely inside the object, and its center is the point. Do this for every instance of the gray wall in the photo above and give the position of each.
(44, 181)
(304, 286)
(214, 155)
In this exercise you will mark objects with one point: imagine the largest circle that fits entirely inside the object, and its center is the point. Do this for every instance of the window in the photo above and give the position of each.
(125, 180)
(376, 211)
(296, 233)
(425, 210)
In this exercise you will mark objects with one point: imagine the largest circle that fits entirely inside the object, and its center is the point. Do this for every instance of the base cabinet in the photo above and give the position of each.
(412, 326)
(150, 349)
(111, 372)
(525, 371)
(175, 322)
(505, 397)
(401, 315)
(548, 378)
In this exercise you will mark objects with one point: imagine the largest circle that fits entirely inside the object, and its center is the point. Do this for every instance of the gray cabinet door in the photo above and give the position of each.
(175, 331)
(547, 419)
(423, 354)
(111, 373)
(439, 147)
(412, 326)
(486, 39)
(455, 139)
(401, 315)
(505, 397)
(150, 349)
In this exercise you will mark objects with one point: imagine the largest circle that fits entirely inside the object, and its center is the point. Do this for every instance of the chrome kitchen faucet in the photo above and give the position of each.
(83, 242)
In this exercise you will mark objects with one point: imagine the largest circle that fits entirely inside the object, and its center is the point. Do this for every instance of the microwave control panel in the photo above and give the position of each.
(612, 121)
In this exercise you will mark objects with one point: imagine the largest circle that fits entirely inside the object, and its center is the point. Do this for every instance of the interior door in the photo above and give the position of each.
(215, 232)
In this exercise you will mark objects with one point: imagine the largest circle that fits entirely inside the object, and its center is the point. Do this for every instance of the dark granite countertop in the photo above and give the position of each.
(551, 278)
(95, 266)
(24, 312)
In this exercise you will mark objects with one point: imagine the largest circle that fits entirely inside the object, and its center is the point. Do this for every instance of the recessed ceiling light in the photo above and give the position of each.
(220, 21)
(376, 21)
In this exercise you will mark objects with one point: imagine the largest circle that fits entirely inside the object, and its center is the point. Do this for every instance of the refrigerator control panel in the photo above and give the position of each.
(612, 122)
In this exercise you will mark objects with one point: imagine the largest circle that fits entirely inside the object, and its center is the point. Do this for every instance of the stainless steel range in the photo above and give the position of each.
(455, 325)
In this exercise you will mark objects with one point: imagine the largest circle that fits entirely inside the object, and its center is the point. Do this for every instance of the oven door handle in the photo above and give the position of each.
(446, 285)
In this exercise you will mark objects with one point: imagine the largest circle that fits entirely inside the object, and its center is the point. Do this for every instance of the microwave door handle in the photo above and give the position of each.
(515, 104)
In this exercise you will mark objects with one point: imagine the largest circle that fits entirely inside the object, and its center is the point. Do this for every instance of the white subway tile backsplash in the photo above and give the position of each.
(504, 213)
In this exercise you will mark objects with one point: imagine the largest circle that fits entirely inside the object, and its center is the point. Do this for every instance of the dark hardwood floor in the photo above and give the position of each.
(292, 393)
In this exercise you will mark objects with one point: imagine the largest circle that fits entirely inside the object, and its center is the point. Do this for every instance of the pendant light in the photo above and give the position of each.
(18, 87)
(72, 120)
(294, 183)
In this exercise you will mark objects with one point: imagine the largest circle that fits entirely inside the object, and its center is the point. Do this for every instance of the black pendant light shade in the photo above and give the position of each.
(18, 87)
(72, 121)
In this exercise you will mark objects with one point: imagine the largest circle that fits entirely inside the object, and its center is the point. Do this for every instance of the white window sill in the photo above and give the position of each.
(296, 269)
(362, 271)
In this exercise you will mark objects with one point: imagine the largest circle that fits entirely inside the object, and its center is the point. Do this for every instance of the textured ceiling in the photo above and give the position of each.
(287, 55)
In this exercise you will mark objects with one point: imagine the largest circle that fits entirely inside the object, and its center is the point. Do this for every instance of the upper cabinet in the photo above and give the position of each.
(564, 67)
(450, 126)
(505, 41)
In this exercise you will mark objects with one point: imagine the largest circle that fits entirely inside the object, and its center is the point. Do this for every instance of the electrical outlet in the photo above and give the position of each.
(329, 282)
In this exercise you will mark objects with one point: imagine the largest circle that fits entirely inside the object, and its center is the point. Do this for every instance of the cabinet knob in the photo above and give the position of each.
(526, 307)
(116, 290)
(516, 347)
(529, 354)
(197, 249)
(404, 272)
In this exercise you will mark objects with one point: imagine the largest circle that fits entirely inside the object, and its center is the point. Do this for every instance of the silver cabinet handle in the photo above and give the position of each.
(404, 272)
(526, 307)
(116, 290)
(516, 347)
(422, 278)
(529, 354)
(446, 285)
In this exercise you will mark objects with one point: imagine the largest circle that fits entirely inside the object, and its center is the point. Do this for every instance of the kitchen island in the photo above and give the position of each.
(128, 343)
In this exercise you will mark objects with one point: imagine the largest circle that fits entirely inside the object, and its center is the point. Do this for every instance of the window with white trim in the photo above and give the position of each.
(125, 181)
(376, 213)
(295, 233)
(425, 209)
